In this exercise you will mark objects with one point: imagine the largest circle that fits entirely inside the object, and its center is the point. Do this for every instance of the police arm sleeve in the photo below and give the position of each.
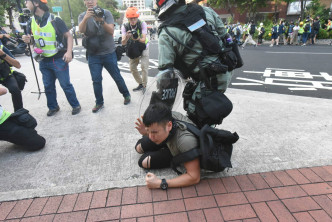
(167, 52)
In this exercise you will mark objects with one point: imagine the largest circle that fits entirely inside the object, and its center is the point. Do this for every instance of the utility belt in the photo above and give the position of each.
(23, 118)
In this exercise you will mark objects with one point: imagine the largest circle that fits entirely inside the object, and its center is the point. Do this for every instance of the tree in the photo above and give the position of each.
(315, 9)
(228, 4)
(250, 6)
(77, 7)
(276, 5)
(7, 6)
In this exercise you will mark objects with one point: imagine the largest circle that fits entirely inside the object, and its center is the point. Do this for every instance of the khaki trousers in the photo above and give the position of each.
(133, 63)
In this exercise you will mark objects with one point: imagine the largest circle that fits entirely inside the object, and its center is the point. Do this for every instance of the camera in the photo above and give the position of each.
(99, 12)
(24, 17)
(134, 33)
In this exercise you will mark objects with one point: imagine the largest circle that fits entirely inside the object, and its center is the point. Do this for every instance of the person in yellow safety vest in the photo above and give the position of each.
(11, 131)
(48, 32)
(301, 31)
(128, 37)
(7, 78)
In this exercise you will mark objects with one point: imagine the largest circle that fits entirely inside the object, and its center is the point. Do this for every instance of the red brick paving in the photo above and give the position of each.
(289, 195)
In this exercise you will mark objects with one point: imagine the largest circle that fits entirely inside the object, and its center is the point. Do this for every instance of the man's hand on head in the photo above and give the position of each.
(140, 126)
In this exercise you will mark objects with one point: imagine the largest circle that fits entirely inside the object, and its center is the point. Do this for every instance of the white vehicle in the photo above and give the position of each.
(117, 36)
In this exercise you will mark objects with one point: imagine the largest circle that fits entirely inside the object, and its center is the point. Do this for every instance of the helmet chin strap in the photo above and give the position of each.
(34, 8)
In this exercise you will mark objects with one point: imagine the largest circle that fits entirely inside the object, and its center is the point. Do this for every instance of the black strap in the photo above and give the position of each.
(196, 62)
(185, 157)
(189, 155)
(191, 127)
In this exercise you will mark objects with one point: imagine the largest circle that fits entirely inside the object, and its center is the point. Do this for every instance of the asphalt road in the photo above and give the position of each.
(292, 70)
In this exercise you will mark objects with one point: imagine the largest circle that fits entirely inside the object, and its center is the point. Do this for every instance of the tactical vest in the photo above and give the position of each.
(6, 70)
(4, 115)
(189, 19)
(45, 37)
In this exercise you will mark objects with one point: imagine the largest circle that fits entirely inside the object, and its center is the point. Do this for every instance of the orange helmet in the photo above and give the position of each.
(132, 12)
(44, 1)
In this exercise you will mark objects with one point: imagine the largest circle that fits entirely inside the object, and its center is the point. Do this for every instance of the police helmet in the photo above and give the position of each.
(164, 6)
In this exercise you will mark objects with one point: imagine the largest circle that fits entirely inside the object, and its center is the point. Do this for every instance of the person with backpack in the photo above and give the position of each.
(274, 34)
(168, 140)
(238, 33)
(54, 43)
(18, 128)
(251, 33)
(261, 32)
(7, 76)
(193, 40)
(306, 31)
(290, 32)
(134, 37)
(281, 33)
(315, 28)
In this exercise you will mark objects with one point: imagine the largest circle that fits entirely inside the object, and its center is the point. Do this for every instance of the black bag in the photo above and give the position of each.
(252, 29)
(215, 148)
(23, 118)
(307, 27)
(210, 109)
(119, 51)
(21, 79)
(135, 49)
(92, 43)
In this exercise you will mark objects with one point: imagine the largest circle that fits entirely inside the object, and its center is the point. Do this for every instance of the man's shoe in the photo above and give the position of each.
(126, 100)
(139, 87)
(97, 107)
(51, 112)
(76, 110)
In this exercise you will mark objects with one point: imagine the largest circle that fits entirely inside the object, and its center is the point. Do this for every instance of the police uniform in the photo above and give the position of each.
(169, 48)
(8, 80)
(10, 131)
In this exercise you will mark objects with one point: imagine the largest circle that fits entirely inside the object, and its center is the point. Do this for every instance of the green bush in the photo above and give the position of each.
(323, 34)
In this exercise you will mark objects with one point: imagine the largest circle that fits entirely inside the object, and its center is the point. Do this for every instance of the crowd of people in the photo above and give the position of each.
(282, 33)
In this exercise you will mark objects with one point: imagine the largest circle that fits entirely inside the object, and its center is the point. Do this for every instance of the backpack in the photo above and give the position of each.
(62, 41)
(307, 28)
(252, 29)
(215, 148)
(194, 20)
(263, 31)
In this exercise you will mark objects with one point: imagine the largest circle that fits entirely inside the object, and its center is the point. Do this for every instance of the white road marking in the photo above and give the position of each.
(247, 84)
(302, 89)
(304, 53)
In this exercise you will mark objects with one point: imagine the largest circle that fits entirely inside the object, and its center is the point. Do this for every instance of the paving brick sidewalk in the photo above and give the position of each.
(292, 195)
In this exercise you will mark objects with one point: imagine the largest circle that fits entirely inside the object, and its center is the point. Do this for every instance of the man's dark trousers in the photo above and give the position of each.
(26, 137)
